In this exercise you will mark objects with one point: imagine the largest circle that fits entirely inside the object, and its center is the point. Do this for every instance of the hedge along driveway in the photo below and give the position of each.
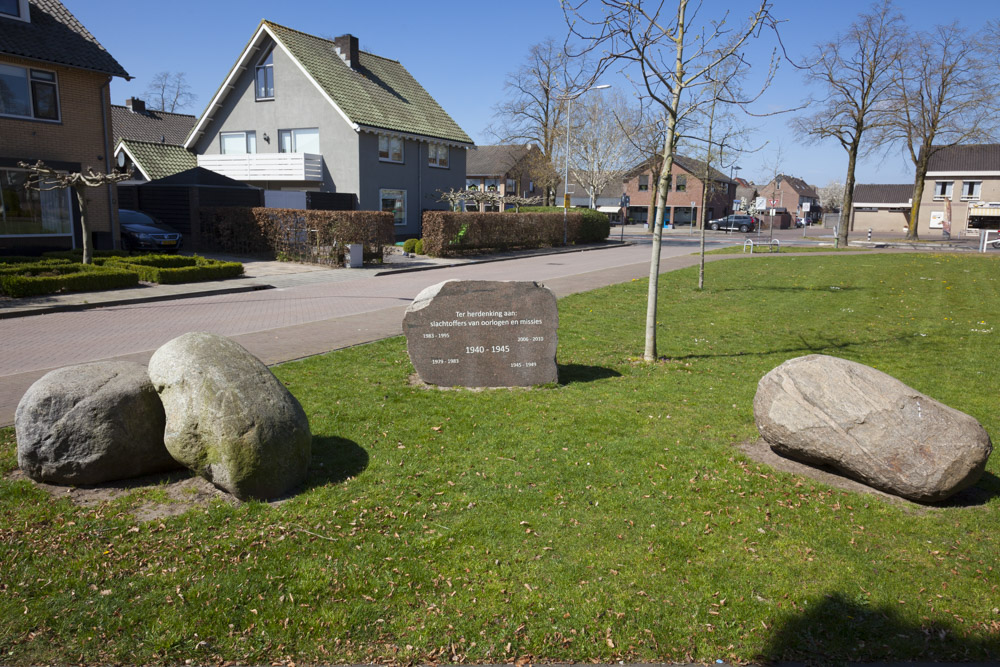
(447, 233)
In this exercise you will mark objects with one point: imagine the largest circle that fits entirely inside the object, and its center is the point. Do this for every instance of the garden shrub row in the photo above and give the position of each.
(447, 233)
(28, 264)
(318, 237)
(49, 279)
(594, 227)
(170, 270)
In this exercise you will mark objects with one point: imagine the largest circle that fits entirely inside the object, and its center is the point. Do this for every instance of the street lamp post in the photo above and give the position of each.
(733, 168)
(569, 106)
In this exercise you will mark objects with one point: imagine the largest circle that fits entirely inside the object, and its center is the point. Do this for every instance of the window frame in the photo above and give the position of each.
(291, 132)
(972, 196)
(388, 151)
(268, 69)
(22, 12)
(680, 183)
(643, 187)
(32, 79)
(434, 156)
(949, 189)
(68, 207)
(382, 195)
(247, 135)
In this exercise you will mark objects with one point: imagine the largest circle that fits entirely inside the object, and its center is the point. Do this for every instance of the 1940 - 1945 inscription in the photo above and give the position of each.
(483, 333)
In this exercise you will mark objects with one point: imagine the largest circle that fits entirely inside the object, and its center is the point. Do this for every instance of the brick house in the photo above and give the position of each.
(684, 197)
(54, 106)
(501, 168)
(786, 195)
(881, 207)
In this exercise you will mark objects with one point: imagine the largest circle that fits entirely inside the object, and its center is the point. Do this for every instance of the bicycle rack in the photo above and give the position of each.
(774, 245)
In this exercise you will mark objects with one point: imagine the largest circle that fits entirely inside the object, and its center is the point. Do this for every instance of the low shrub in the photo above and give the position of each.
(50, 279)
(174, 270)
(77, 254)
(595, 226)
(418, 247)
(20, 259)
(447, 233)
(409, 245)
(13, 269)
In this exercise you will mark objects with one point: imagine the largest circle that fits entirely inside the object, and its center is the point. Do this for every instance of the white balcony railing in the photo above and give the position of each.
(266, 166)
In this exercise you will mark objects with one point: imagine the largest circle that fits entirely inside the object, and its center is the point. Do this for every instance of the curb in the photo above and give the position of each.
(490, 260)
(68, 307)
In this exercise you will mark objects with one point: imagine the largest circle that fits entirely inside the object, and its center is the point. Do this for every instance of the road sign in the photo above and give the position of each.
(626, 200)
(566, 200)
(805, 207)
(760, 203)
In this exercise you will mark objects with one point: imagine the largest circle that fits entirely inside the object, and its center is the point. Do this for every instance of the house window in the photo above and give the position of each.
(682, 183)
(29, 93)
(643, 182)
(531, 186)
(437, 155)
(492, 184)
(971, 189)
(17, 9)
(511, 187)
(390, 149)
(394, 201)
(299, 141)
(264, 88)
(30, 212)
(942, 189)
(237, 143)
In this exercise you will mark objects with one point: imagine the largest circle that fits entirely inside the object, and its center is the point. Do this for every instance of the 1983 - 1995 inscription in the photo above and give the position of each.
(479, 333)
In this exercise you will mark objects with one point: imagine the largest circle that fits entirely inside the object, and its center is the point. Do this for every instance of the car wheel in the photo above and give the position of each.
(744, 228)
(714, 226)
(995, 244)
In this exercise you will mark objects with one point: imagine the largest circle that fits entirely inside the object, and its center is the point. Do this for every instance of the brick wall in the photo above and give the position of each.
(78, 137)
(719, 201)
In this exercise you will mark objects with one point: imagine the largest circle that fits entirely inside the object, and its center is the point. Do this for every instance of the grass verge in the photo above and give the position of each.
(607, 518)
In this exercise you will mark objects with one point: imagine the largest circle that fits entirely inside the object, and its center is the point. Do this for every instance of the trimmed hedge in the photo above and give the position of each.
(66, 278)
(448, 233)
(595, 227)
(318, 237)
(174, 269)
(77, 255)
(16, 269)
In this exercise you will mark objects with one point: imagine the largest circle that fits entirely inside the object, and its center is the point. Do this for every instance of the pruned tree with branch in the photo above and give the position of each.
(600, 150)
(944, 94)
(856, 73)
(43, 179)
(673, 57)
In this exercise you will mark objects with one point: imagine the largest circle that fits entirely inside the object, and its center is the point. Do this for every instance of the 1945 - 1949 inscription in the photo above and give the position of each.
(483, 333)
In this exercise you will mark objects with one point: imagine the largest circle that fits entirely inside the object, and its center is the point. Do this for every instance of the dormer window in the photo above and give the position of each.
(14, 9)
(264, 87)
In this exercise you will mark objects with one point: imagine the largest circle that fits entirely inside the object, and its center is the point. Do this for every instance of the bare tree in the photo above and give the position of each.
(169, 91)
(44, 178)
(855, 71)
(531, 112)
(944, 95)
(600, 150)
(673, 58)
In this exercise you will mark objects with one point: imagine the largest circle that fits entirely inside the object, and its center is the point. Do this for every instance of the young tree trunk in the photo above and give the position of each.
(88, 249)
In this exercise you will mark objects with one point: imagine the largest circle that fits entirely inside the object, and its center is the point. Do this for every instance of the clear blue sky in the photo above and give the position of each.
(461, 52)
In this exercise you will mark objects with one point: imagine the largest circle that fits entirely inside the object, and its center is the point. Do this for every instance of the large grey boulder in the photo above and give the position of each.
(229, 419)
(869, 426)
(91, 423)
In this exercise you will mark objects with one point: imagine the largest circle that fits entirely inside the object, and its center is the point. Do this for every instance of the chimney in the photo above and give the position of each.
(347, 47)
(135, 105)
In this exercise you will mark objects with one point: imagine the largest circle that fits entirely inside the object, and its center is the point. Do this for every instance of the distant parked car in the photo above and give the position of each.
(141, 231)
(743, 223)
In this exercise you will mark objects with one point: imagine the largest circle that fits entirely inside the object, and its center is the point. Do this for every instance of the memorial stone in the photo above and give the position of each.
(483, 333)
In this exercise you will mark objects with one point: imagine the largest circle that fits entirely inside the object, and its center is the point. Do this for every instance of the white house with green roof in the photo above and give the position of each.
(299, 112)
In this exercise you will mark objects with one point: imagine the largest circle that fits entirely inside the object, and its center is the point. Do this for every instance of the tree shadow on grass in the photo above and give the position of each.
(335, 460)
(574, 373)
(786, 288)
(805, 347)
(841, 629)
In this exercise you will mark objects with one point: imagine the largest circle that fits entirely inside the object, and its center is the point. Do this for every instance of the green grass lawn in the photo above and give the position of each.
(608, 518)
(737, 249)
